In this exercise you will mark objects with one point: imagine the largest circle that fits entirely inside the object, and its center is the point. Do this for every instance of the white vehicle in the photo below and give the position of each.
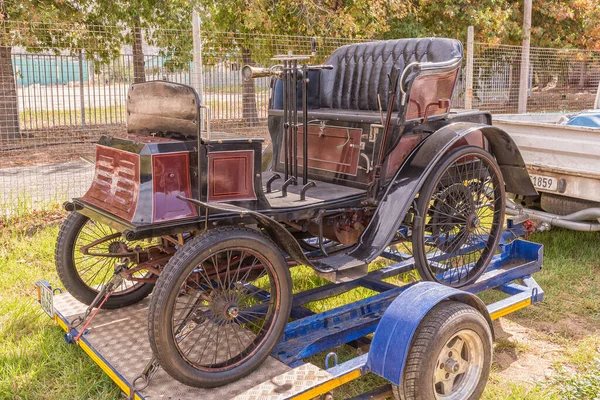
(562, 154)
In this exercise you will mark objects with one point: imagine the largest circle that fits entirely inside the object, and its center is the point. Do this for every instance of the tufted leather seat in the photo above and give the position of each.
(360, 70)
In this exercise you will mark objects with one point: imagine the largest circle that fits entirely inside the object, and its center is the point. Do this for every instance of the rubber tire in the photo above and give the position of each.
(159, 323)
(441, 323)
(563, 205)
(423, 202)
(65, 267)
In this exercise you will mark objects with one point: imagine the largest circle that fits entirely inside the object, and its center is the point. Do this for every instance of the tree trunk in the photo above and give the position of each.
(513, 95)
(139, 68)
(249, 111)
(9, 111)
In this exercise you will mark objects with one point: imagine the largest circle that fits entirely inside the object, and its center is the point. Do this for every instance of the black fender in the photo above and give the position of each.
(409, 178)
(277, 232)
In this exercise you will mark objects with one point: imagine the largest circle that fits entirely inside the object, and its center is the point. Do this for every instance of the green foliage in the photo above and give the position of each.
(100, 27)
(571, 23)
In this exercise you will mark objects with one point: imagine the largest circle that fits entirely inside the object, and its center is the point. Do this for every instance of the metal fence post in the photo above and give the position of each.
(469, 69)
(197, 41)
(81, 91)
(524, 77)
(597, 102)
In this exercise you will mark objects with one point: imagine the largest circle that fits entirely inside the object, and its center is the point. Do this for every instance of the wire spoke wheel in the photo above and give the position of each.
(95, 242)
(226, 309)
(86, 255)
(220, 306)
(461, 213)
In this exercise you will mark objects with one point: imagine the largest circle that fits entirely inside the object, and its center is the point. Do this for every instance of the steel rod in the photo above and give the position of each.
(295, 115)
(285, 120)
(304, 124)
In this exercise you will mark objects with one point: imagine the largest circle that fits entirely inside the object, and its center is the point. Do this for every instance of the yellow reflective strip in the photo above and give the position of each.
(329, 385)
(111, 374)
(61, 323)
(510, 309)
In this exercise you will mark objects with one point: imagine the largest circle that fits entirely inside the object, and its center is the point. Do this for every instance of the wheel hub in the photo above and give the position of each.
(451, 366)
(473, 222)
(117, 247)
(232, 312)
(454, 207)
(459, 366)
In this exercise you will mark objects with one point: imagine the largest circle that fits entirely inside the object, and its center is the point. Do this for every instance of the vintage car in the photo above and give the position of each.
(365, 154)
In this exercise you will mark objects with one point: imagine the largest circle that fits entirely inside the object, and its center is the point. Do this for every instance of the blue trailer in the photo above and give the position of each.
(416, 332)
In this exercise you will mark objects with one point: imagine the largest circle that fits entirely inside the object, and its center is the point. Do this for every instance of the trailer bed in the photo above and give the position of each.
(117, 340)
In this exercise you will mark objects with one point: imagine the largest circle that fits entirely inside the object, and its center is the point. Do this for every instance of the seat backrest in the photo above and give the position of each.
(163, 107)
(361, 70)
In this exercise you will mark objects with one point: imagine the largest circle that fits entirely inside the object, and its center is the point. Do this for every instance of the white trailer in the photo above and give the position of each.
(563, 160)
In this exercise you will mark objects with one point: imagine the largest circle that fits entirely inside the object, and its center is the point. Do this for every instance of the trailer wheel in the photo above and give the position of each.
(220, 307)
(563, 205)
(83, 274)
(460, 214)
(450, 355)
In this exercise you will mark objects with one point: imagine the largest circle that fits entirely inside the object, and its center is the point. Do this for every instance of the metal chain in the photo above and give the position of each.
(142, 381)
(102, 296)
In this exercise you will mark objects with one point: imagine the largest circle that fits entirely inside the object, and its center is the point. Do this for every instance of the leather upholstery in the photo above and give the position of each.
(361, 70)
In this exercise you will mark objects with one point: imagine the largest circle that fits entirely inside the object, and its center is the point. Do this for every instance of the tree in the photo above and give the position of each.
(32, 35)
(250, 18)
(98, 27)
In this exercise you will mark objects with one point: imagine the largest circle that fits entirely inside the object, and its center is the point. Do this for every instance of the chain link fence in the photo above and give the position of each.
(59, 95)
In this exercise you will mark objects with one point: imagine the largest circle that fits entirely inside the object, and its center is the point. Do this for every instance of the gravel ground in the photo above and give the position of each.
(35, 186)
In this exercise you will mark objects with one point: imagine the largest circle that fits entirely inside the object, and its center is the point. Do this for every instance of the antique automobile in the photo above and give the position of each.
(365, 154)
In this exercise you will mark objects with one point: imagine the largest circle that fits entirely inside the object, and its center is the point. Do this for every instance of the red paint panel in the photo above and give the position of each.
(333, 148)
(230, 175)
(400, 152)
(115, 187)
(430, 89)
(171, 178)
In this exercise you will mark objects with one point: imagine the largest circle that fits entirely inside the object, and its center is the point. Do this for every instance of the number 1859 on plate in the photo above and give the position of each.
(544, 182)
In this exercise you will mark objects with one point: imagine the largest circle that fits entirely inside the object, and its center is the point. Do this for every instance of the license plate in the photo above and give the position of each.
(544, 182)
(47, 300)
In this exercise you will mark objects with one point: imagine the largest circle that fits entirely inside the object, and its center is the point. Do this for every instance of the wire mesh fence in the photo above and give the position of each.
(559, 80)
(63, 87)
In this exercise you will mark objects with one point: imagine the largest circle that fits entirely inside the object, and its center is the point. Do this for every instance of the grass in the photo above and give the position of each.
(35, 363)
(34, 119)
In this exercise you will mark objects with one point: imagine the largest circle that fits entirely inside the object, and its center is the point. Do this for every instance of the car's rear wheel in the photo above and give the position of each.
(219, 307)
(84, 267)
(459, 217)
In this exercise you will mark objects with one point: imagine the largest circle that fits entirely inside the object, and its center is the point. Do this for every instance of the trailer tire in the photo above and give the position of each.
(70, 276)
(218, 304)
(449, 326)
(563, 205)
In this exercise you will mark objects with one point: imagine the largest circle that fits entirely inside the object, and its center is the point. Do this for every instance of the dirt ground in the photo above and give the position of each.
(527, 351)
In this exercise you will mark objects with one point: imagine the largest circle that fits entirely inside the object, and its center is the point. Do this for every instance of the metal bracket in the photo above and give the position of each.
(286, 184)
(335, 360)
(305, 188)
(271, 180)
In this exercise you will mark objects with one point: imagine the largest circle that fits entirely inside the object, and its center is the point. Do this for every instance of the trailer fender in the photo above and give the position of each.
(393, 337)
(411, 176)
(274, 229)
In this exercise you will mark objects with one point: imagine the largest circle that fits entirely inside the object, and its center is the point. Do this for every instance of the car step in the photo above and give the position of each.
(344, 268)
